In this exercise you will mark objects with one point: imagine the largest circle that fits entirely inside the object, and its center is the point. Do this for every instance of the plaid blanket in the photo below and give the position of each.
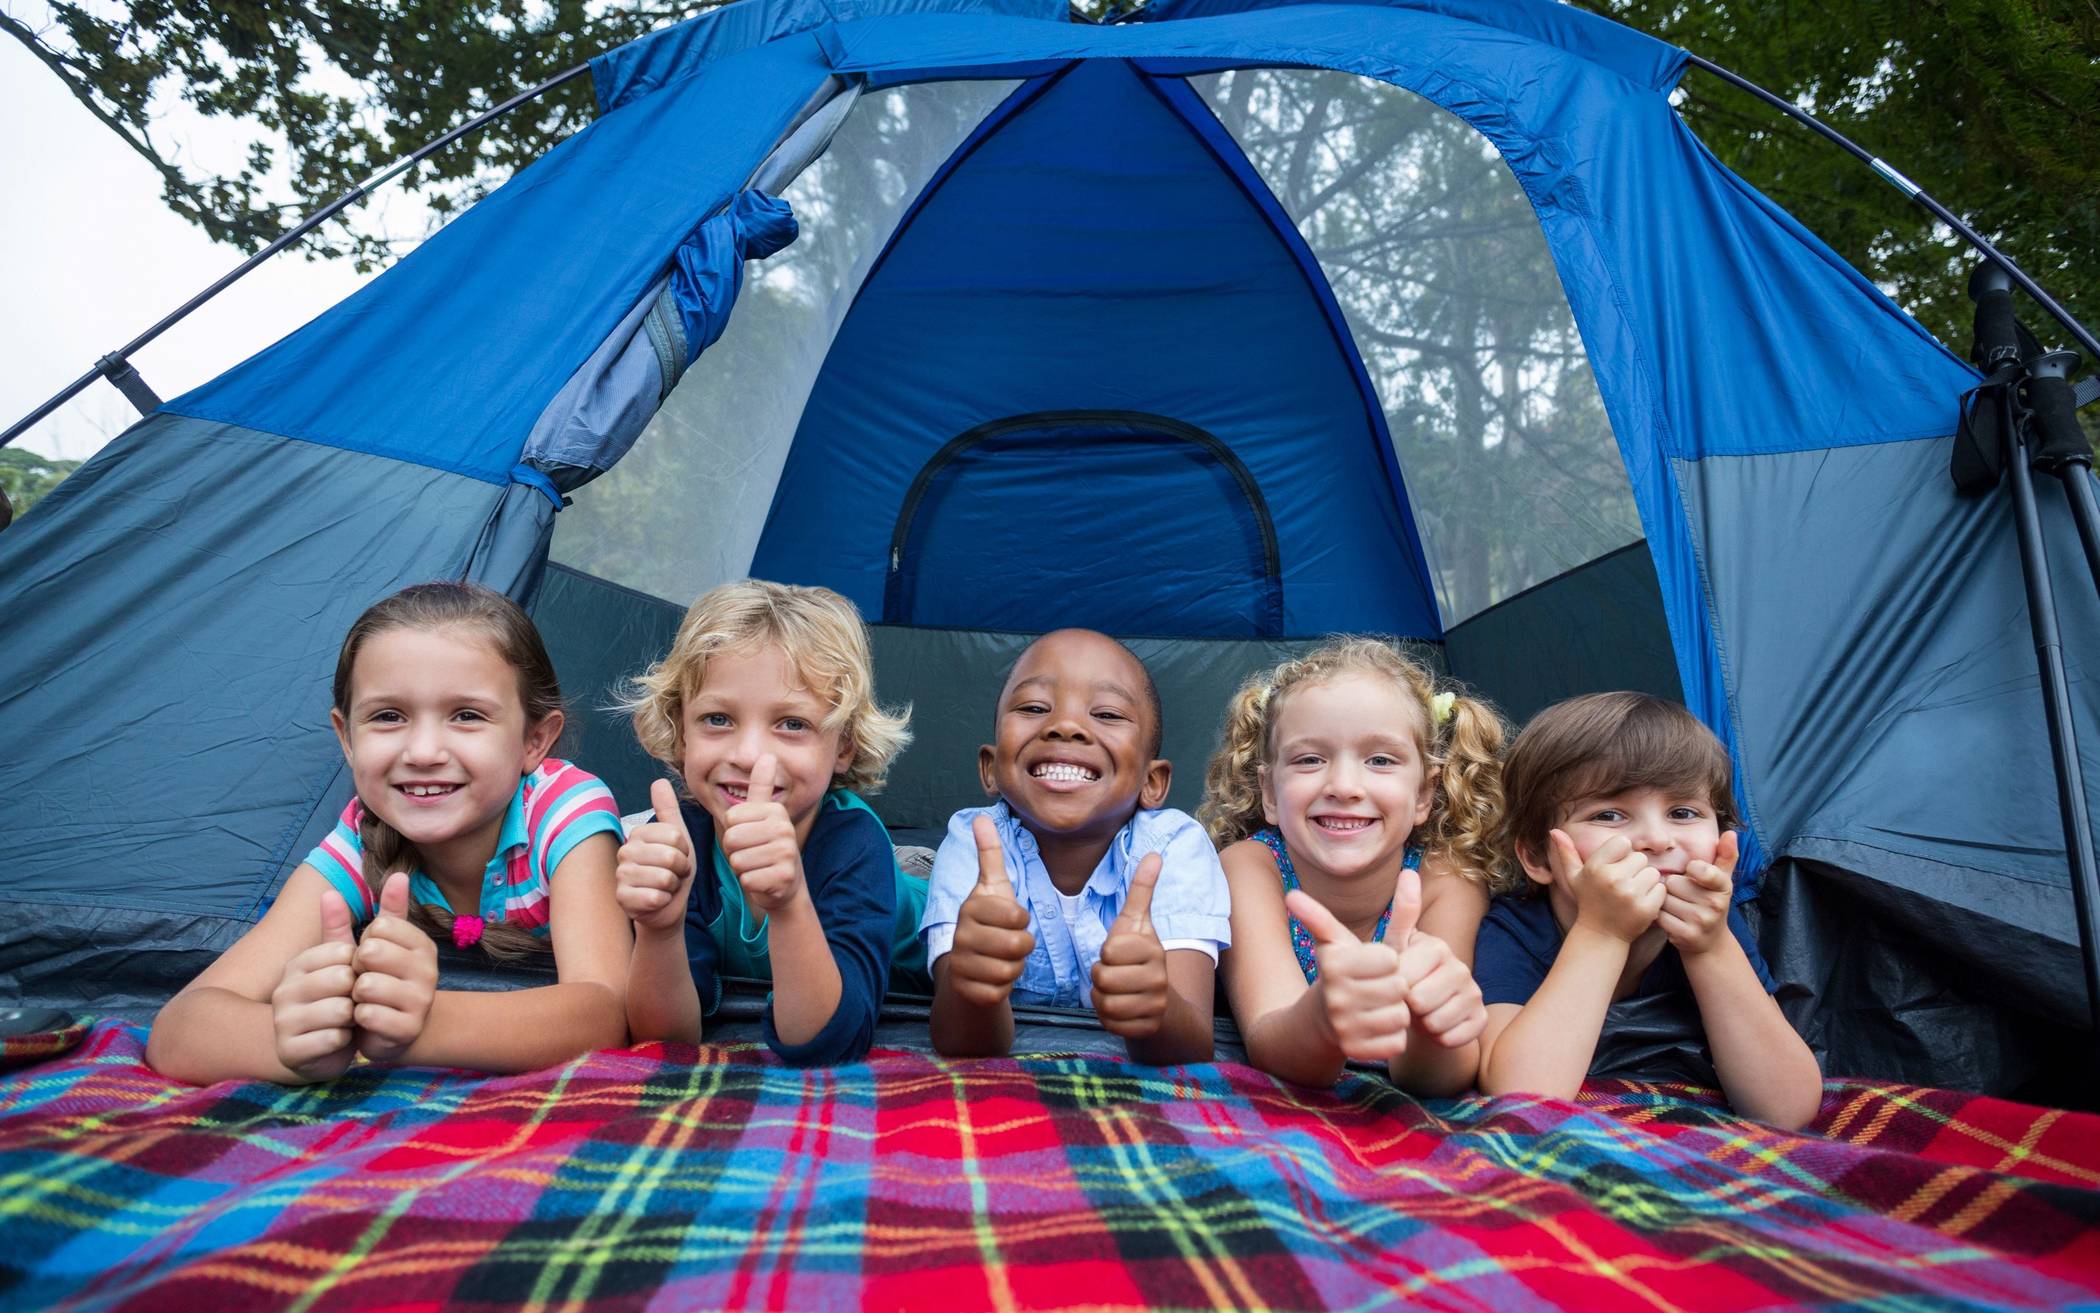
(661, 1178)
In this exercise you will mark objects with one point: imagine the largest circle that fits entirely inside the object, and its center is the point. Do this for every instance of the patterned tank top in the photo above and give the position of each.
(1301, 938)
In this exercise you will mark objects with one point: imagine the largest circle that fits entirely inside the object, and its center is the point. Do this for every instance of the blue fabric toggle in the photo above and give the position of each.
(532, 478)
(707, 270)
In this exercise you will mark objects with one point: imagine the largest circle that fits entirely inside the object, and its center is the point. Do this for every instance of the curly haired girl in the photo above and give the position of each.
(1355, 806)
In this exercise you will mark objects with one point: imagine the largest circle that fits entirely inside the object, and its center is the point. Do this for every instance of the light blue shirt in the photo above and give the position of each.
(1190, 905)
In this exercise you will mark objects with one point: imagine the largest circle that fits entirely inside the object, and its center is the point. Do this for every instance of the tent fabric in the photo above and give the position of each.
(168, 705)
(1216, 328)
(450, 359)
(1852, 629)
(645, 66)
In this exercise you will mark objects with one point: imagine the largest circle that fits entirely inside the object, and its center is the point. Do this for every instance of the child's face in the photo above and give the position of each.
(1073, 750)
(752, 701)
(437, 738)
(1349, 781)
(1671, 828)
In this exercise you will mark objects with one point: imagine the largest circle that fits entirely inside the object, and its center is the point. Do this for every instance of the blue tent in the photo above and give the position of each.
(1222, 330)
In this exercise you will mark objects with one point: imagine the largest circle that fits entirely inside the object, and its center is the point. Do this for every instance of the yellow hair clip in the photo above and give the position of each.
(1441, 706)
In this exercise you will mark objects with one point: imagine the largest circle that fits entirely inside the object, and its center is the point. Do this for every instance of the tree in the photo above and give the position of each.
(1993, 106)
(25, 476)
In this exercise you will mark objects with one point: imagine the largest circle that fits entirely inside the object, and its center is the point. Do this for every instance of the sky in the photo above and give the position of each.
(93, 258)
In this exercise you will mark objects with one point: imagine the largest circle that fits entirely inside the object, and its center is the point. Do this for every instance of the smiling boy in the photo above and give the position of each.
(1619, 813)
(1076, 887)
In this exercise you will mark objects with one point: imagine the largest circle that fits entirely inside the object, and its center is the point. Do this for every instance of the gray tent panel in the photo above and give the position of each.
(191, 586)
(1875, 631)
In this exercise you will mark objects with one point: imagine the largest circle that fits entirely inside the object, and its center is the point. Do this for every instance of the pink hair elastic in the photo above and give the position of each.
(466, 930)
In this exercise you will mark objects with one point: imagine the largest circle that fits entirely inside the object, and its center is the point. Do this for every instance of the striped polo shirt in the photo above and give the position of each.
(555, 808)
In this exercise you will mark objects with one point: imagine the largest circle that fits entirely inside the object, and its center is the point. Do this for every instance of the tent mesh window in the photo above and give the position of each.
(1441, 272)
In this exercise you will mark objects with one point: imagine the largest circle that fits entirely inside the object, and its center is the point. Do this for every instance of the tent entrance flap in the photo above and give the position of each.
(1086, 505)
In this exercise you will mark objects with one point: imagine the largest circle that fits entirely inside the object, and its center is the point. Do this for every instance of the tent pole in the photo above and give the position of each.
(116, 366)
(2062, 316)
(2056, 704)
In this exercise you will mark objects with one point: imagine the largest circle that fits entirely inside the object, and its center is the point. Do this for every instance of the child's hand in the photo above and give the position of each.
(396, 977)
(1616, 892)
(991, 930)
(1695, 904)
(654, 873)
(1362, 995)
(1130, 980)
(758, 837)
(311, 1006)
(1441, 993)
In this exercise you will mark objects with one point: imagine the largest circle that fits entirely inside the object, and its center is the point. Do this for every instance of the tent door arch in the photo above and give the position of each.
(1118, 520)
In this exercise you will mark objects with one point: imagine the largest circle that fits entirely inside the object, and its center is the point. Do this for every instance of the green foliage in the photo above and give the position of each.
(26, 476)
(1992, 106)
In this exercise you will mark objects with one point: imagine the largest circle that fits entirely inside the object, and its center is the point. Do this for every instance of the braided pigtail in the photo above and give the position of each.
(1232, 807)
(1466, 820)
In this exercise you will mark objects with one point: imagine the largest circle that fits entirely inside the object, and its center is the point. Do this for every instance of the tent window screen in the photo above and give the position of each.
(1075, 514)
(682, 512)
(1446, 284)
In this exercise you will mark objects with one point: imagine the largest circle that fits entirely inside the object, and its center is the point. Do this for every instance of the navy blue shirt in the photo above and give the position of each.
(1519, 939)
(850, 869)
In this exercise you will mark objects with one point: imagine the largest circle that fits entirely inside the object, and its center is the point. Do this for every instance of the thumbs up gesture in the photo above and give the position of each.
(1130, 980)
(1616, 891)
(1695, 904)
(311, 1008)
(654, 870)
(991, 929)
(396, 966)
(1362, 993)
(758, 838)
(1441, 993)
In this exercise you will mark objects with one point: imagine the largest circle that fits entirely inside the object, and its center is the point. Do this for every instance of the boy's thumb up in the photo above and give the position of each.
(1136, 916)
(763, 773)
(991, 859)
(664, 799)
(335, 919)
(393, 895)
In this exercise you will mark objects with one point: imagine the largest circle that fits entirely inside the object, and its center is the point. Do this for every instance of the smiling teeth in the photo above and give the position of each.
(1345, 824)
(1064, 773)
(427, 790)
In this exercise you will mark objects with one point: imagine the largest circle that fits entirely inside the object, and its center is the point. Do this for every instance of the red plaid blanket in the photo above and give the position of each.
(664, 1178)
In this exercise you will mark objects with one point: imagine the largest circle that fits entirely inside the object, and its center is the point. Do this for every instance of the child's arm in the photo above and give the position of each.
(1442, 1057)
(1545, 1046)
(275, 1006)
(1302, 1034)
(1159, 1002)
(504, 1030)
(1765, 1068)
(973, 982)
(655, 878)
(829, 941)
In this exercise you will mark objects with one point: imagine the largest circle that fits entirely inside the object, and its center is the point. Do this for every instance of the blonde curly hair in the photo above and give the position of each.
(825, 642)
(1463, 744)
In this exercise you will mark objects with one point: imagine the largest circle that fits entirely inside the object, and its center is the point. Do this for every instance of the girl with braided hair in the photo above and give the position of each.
(1355, 805)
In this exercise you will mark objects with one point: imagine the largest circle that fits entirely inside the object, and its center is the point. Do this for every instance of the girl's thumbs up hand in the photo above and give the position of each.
(310, 1008)
(1441, 993)
(396, 977)
(653, 872)
(1362, 995)
(992, 942)
(1130, 980)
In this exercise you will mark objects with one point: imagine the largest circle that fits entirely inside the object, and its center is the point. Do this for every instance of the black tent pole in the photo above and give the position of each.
(2056, 702)
(116, 366)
